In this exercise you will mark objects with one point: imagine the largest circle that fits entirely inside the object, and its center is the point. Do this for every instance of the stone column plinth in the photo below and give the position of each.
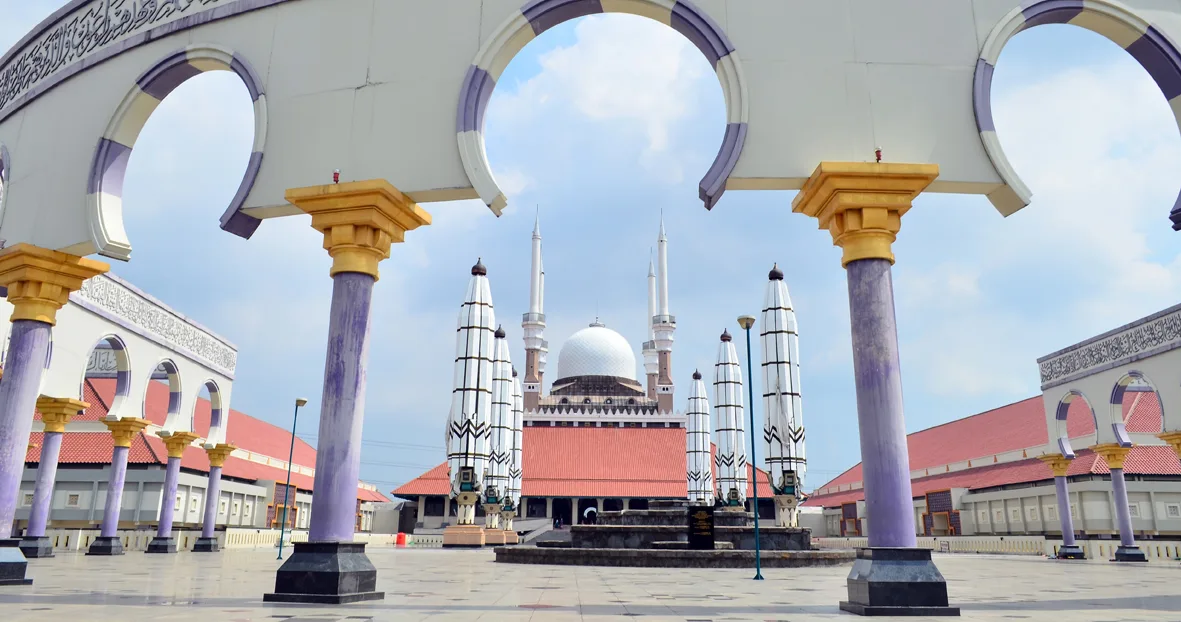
(359, 221)
(123, 431)
(56, 412)
(861, 205)
(176, 443)
(39, 282)
(207, 543)
(1115, 456)
(1059, 465)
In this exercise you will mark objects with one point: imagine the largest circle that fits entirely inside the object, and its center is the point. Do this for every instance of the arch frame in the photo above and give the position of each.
(1116, 415)
(219, 416)
(1113, 20)
(5, 173)
(122, 352)
(172, 422)
(1061, 412)
(537, 16)
(104, 188)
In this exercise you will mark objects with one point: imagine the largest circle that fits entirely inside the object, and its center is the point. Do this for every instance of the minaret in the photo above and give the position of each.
(698, 466)
(512, 497)
(728, 412)
(500, 421)
(663, 327)
(651, 358)
(533, 323)
(783, 427)
(471, 402)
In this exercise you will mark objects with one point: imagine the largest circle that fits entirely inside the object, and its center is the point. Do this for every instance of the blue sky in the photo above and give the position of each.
(602, 124)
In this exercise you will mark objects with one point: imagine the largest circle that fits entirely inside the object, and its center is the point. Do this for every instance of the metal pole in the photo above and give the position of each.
(754, 462)
(287, 490)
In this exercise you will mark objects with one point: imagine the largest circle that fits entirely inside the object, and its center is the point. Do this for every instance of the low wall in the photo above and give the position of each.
(232, 538)
(1101, 550)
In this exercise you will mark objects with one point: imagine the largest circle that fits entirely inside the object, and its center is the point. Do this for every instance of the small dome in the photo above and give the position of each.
(776, 274)
(596, 351)
(696, 375)
(479, 269)
(725, 335)
(514, 372)
(499, 334)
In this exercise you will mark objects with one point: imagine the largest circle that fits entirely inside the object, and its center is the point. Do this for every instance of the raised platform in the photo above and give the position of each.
(463, 536)
(642, 536)
(658, 558)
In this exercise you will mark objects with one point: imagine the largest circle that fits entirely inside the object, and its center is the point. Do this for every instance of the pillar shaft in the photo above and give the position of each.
(212, 495)
(168, 500)
(51, 447)
(886, 465)
(1064, 513)
(342, 410)
(1119, 490)
(23, 366)
(110, 524)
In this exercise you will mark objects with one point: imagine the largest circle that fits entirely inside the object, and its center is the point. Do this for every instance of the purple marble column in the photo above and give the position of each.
(114, 492)
(51, 446)
(168, 500)
(212, 495)
(25, 363)
(1120, 491)
(342, 410)
(1064, 511)
(885, 464)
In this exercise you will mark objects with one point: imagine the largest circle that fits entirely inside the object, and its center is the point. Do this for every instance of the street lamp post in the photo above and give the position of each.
(746, 321)
(290, 455)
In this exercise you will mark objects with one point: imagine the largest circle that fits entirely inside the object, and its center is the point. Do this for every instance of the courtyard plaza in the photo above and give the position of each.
(436, 584)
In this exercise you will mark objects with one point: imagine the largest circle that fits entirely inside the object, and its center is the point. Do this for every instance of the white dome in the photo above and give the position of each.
(596, 351)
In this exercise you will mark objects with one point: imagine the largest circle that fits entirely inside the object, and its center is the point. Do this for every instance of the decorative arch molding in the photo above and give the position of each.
(5, 168)
(122, 373)
(1155, 52)
(173, 421)
(537, 16)
(218, 416)
(1060, 415)
(104, 199)
(1118, 426)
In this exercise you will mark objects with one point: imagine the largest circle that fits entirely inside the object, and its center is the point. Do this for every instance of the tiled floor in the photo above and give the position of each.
(435, 584)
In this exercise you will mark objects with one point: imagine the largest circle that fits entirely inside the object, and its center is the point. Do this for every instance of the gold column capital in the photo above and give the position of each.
(1172, 438)
(218, 454)
(39, 280)
(56, 412)
(176, 442)
(1059, 464)
(359, 221)
(123, 430)
(862, 203)
(1113, 454)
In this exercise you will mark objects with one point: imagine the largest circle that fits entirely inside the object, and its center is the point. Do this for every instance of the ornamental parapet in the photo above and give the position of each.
(1148, 336)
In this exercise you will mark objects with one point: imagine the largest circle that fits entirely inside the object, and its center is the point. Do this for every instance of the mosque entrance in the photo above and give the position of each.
(561, 510)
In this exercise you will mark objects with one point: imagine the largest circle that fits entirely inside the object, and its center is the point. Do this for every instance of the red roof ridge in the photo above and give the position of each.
(979, 414)
(97, 395)
(144, 438)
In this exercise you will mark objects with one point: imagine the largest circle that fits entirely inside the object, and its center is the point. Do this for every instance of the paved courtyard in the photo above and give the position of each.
(434, 584)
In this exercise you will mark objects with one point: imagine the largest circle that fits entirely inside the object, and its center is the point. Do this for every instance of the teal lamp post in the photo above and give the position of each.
(290, 456)
(746, 321)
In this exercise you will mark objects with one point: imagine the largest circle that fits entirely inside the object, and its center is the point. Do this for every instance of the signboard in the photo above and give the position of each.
(701, 527)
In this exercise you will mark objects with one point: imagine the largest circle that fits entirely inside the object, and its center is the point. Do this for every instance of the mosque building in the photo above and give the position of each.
(599, 438)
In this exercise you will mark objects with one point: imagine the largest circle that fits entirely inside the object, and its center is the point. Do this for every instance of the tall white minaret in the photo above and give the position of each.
(533, 324)
(664, 325)
(496, 479)
(731, 438)
(512, 496)
(651, 358)
(699, 472)
(783, 427)
(468, 427)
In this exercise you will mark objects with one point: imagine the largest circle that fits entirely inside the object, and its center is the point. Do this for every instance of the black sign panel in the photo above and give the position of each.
(701, 527)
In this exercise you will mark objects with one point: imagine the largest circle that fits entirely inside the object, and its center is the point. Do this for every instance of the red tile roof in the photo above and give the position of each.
(1142, 412)
(591, 462)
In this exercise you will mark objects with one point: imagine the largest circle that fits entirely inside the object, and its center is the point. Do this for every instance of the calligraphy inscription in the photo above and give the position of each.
(1142, 338)
(90, 28)
(122, 302)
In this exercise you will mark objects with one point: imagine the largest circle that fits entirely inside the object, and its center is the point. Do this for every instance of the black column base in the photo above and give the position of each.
(161, 545)
(897, 582)
(206, 545)
(1129, 554)
(1073, 551)
(13, 563)
(36, 546)
(331, 573)
(106, 545)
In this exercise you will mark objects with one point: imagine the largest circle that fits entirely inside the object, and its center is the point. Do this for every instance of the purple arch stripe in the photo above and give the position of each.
(981, 96)
(233, 220)
(173, 402)
(168, 74)
(239, 66)
(477, 90)
(1160, 60)
(1041, 12)
(545, 14)
(1121, 435)
(1064, 448)
(110, 164)
(714, 183)
(214, 397)
(1063, 409)
(696, 26)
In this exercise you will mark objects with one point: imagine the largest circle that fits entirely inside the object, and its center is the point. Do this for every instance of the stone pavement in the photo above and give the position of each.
(436, 584)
